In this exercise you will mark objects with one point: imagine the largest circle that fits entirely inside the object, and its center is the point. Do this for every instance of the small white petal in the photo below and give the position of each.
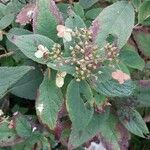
(15, 113)
(95, 146)
(34, 128)
(1, 112)
(59, 81)
(63, 74)
(39, 54)
(30, 13)
(42, 48)
(68, 30)
(67, 37)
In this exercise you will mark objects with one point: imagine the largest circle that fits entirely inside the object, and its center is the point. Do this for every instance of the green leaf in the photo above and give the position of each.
(23, 127)
(144, 11)
(78, 9)
(87, 3)
(2, 10)
(77, 137)
(28, 85)
(78, 113)
(28, 45)
(142, 40)
(74, 21)
(136, 4)
(70, 69)
(6, 21)
(99, 99)
(10, 46)
(9, 76)
(103, 83)
(93, 13)
(133, 121)
(143, 93)
(114, 134)
(47, 19)
(112, 88)
(49, 101)
(117, 20)
(131, 58)
(8, 137)
(85, 91)
(14, 6)
(111, 132)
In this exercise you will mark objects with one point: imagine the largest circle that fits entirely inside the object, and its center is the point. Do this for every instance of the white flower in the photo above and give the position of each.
(1, 113)
(64, 33)
(15, 113)
(34, 128)
(40, 108)
(41, 51)
(95, 146)
(60, 79)
(30, 13)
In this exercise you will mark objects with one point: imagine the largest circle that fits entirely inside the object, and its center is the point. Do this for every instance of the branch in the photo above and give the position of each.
(6, 55)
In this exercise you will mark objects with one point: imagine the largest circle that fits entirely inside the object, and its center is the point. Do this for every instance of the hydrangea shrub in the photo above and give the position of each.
(84, 68)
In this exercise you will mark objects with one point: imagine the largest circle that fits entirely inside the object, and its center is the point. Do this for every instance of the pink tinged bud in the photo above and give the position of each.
(64, 33)
(120, 76)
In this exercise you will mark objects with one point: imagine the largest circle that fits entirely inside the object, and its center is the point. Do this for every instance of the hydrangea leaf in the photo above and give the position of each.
(77, 137)
(133, 121)
(23, 126)
(6, 21)
(110, 87)
(28, 44)
(28, 85)
(79, 114)
(144, 12)
(143, 93)
(131, 58)
(8, 137)
(49, 101)
(87, 3)
(9, 76)
(142, 40)
(117, 20)
(107, 128)
(47, 18)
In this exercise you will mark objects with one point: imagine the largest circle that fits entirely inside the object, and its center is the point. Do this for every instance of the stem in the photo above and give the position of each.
(6, 55)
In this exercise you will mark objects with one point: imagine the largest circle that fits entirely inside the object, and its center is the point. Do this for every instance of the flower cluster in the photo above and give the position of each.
(83, 51)
(84, 54)
(56, 53)
(111, 51)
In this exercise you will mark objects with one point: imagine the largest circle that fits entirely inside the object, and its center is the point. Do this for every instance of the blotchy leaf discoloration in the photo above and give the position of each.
(55, 11)
(26, 14)
(95, 28)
